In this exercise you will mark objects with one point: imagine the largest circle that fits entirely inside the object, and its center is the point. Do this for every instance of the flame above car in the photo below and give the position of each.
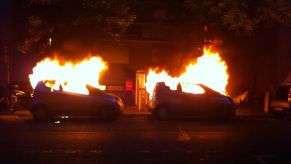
(69, 76)
(209, 69)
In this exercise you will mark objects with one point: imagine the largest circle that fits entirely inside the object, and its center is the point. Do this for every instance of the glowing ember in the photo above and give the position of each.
(209, 70)
(71, 77)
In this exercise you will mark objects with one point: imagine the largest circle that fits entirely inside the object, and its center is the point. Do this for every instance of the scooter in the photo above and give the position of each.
(18, 99)
(12, 99)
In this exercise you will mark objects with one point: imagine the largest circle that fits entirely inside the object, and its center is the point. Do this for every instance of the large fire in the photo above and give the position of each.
(209, 70)
(72, 77)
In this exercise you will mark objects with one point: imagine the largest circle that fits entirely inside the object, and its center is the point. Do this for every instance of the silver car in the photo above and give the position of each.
(46, 103)
(168, 103)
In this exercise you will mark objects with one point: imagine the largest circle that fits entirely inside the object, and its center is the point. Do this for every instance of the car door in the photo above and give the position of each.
(56, 101)
(195, 104)
(66, 103)
(178, 103)
(79, 104)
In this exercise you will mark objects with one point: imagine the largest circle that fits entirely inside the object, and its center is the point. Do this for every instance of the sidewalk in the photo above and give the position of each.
(20, 113)
(251, 110)
(133, 111)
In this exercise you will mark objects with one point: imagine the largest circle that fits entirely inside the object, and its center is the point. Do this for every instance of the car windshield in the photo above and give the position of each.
(282, 92)
(94, 91)
(163, 88)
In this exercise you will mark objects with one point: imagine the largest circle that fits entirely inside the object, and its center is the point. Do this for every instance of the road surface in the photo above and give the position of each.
(142, 139)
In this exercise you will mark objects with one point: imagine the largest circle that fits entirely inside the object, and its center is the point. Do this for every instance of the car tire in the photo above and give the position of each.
(106, 113)
(162, 113)
(40, 113)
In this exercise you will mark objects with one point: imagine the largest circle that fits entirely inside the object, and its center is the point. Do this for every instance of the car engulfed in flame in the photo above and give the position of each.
(198, 91)
(67, 88)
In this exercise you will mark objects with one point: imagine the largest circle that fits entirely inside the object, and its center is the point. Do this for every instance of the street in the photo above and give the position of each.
(142, 139)
(146, 62)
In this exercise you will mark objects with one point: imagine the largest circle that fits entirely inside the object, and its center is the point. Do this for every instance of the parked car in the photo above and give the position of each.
(167, 103)
(46, 103)
(281, 105)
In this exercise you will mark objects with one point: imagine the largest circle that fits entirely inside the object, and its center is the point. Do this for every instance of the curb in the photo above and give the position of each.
(133, 115)
(16, 113)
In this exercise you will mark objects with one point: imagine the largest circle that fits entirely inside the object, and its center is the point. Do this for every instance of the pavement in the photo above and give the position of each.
(141, 140)
(246, 110)
(251, 110)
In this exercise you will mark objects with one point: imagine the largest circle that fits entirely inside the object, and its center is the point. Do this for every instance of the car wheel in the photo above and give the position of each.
(40, 113)
(162, 113)
(106, 113)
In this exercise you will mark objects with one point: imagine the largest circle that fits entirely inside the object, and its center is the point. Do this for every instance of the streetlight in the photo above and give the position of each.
(50, 41)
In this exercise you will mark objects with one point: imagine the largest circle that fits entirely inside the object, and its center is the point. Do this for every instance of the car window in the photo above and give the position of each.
(94, 91)
(282, 93)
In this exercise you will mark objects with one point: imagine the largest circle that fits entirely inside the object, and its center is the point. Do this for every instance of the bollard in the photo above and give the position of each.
(266, 102)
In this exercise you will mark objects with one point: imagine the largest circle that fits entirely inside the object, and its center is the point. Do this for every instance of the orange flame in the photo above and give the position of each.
(72, 77)
(209, 70)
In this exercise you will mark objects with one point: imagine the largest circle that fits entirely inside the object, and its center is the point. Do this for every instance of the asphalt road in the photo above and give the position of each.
(145, 140)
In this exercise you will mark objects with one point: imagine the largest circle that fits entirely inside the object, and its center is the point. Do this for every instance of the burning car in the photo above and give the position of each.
(47, 103)
(167, 103)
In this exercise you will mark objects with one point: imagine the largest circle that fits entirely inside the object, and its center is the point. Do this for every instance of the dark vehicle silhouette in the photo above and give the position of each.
(168, 103)
(281, 104)
(46, 103)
